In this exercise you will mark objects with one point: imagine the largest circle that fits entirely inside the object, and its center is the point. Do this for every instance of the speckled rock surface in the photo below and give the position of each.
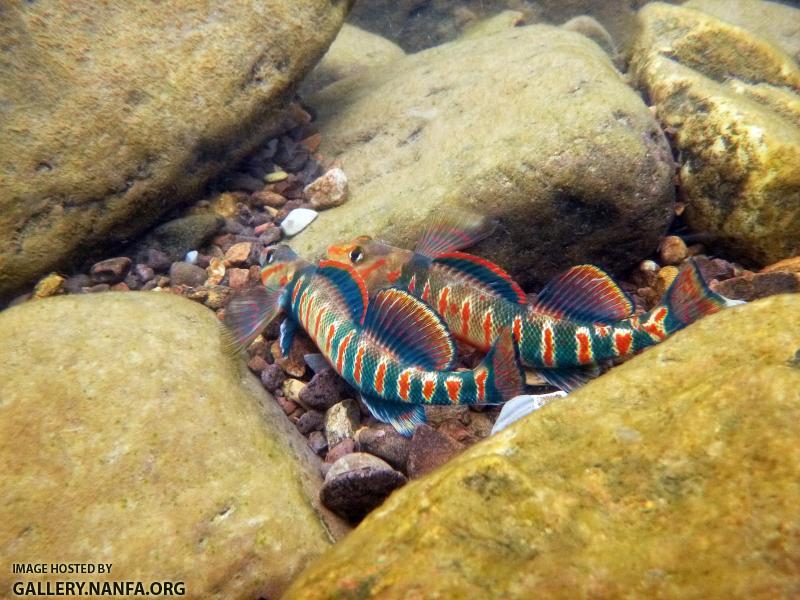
(673, 476)
(148, 447)
(732, 101)
(354, 50)
(532, 125)
(100, 138)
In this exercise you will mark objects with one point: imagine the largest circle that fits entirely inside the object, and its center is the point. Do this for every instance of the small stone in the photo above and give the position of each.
(323, 391)
(245, 182)
(215, 271)
(49, 286)
(327, 191)
(358, 483)
(384, 442)
(297, 220)
(144, 272)
(716, 268)
(120, 287)
(429, 449)
(237, 254)
(312, 142)
(225, 204)
(217, 296)
(158, 260)
(271, 234)
(257, 364)
(645, 274)
(100, 287)
(437, 414)
(316, 441)
(77, 283)
(312, 420)
(480, 427)
(752, 286)
(665, 277)
(111, 270)
(790, 265)
(341, 421)
(673, 250)
(238, 278)
(272, 377)
(291, 389)
(346, 446)
(191, 257)
(294, 364)
(268, 198)
(288, 406)
(455, 429)
(275, 176)
(182, 273)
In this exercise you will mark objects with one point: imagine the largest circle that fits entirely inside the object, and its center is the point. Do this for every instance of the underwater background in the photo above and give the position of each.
(154, 154)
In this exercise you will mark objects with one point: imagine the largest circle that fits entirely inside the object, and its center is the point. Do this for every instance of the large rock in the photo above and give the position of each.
(673, 476)
(128, 436)
(112, 113)
(353, 51)
(731, 100)
(532, 125)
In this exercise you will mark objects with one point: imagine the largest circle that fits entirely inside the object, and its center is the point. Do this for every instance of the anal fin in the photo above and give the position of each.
(569, 379)
(403, 417)
(288, 329)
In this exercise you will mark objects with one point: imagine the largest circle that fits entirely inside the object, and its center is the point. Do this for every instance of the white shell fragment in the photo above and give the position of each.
(519, 406)
(191, 257)
(297, 220)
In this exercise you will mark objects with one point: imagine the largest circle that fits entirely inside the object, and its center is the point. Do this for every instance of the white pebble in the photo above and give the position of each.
(297, 220)
(191, 257)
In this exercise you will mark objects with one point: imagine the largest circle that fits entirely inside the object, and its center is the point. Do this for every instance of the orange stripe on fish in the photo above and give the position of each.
(480, 382)
(488, 325)
(404, 384)
(342, 349)
(465, 312)
(548, 351)
(380, 375)
(602, 330)
(517, 329)
(584, 345)
(358, 362)
(318, 320)
(412, 284)
(329, 341)
(453, 389)
(428, 388)
(442, 304)
(654, 326)
(426, 291)
(623, 339)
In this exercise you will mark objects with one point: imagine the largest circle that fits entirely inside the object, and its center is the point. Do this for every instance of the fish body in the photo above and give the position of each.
(392, 348)
(581, 319)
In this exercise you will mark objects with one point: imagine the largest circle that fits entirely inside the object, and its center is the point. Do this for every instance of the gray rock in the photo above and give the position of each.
(384, 442)
(357, 483)
(273, 377)
(182, 273)
(323, 391)
(341, 421)
(316, 441)
(311, 420)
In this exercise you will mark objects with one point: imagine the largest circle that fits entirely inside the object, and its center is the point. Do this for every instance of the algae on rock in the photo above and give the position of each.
(672, 476)
(532, 125)
(128, 436)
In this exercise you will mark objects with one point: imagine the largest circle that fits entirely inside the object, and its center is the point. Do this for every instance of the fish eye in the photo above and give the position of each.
(270, 256)
(357, 254)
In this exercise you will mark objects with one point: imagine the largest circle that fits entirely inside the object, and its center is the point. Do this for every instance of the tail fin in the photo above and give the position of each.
(689, 297)
(505, 377)
(249, 313)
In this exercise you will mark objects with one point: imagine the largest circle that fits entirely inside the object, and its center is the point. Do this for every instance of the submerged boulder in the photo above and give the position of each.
(672, 476)
(533, 125)
(731, 99)
(112, 113)
(128, 436)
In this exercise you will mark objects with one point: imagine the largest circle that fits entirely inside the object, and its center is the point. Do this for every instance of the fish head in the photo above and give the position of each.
(379, 264)
(279, 263)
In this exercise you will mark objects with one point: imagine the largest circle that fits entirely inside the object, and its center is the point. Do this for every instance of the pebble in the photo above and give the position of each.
(312, 142)
(293, 364)
(714, 268)
(428, 450)
(312, 420)
(215, 271)
(673, 250)
(665, 277)
(645, 274)
(217, 296)
(111, 270)
(327, 191)
(120, 287)
(158, 260)
(272, 377)
(384, 442)
(257, 364)
(291, 389)
(275, 176)
(77, 283)
(358, 483)
(287, 405)
(238, 254)
(144, 272)
(225, 204)
(752, 286)
(191, 257)
(238, 278)
(245, 182)
(50, 285)
(182, 273)
(268, 198)
(100, 287)
(297, 220)
(790, 265)
(271, 235)
(317, 443)
(341, 421)
(323, 391)
(346, 446)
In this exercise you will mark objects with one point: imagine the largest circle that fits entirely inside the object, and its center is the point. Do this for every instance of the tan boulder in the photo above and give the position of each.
(731, 99)
(532, 125)
(113, 112)
(672, 476)
(127, 436)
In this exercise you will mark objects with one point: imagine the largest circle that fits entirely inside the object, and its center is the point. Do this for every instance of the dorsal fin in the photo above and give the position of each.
(483, 274)
(409, 329)
(449, 232)
(585, 293)
(347, 285)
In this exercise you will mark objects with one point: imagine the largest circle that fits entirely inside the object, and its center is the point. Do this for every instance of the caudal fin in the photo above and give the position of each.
(504, 375)
(249, 313)
(689, 297)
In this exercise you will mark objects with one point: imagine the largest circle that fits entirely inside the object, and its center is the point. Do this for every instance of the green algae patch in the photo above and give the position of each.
(674, 475)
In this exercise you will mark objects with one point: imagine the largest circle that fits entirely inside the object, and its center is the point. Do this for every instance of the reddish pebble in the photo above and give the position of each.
(346, 446)
(673, 250)
(312, 142)
(257, 364)
(238, 253)
(238, 278)
(287, 405)
(268, 198)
